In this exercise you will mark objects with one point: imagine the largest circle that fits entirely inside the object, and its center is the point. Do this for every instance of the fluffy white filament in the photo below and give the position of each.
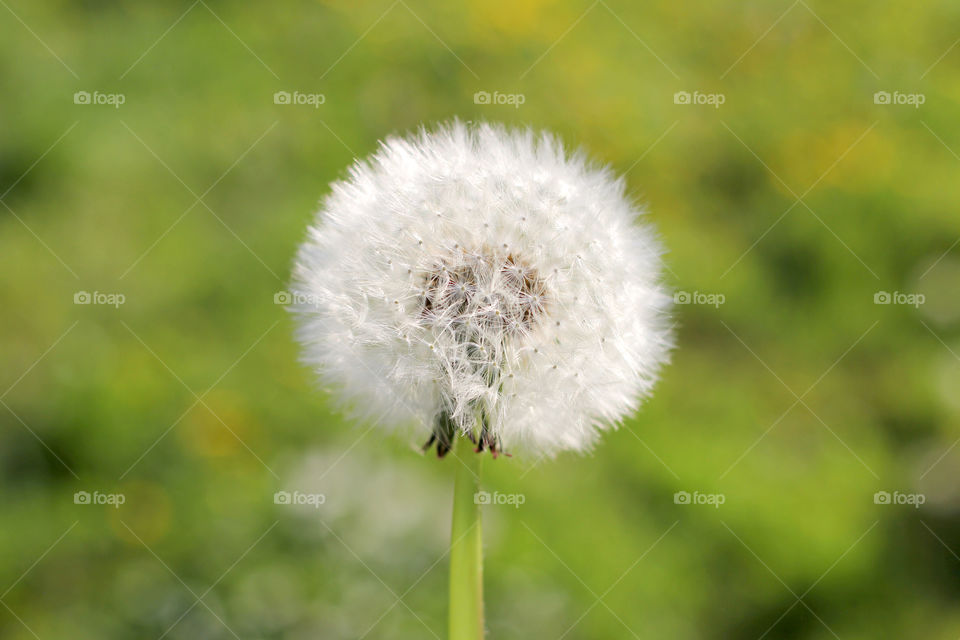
(479, 270)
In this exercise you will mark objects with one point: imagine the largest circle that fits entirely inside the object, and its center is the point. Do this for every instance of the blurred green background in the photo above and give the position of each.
(795, 203)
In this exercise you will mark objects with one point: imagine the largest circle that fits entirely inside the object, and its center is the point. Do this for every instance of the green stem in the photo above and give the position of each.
(466, 547)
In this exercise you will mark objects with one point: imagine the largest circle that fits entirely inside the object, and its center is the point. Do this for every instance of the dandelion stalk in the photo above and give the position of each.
(466, 547)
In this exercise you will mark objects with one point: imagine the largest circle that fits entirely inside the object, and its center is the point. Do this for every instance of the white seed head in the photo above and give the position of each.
(480, 270)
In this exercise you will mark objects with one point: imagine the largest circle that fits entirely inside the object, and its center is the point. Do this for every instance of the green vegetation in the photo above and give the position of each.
(794, 202)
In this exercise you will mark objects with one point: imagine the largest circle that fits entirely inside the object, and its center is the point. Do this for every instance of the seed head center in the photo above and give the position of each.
(483, 292)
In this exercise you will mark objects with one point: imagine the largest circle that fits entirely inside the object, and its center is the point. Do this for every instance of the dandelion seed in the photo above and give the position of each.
(570, 302)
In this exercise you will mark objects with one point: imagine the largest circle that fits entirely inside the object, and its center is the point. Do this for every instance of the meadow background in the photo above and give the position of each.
(795, 395)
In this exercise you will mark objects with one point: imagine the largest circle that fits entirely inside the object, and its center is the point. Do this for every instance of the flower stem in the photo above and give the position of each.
(466, 547)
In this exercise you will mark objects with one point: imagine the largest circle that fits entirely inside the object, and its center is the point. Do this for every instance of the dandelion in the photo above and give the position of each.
(482, 285)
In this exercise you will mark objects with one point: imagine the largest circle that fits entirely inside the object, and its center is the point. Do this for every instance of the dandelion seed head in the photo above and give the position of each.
(476, 269)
